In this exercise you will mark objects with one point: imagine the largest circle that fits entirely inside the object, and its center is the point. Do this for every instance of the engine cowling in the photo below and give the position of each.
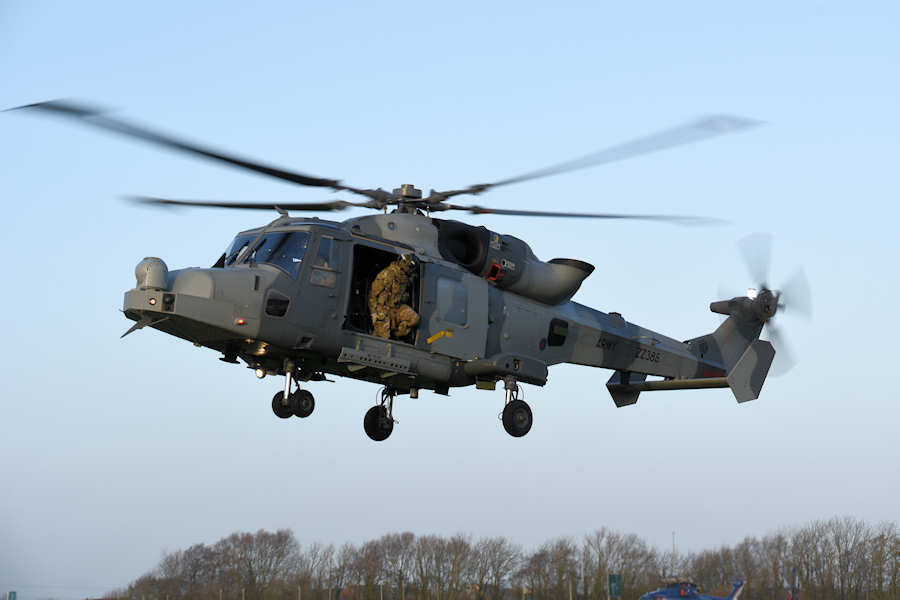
(508, 262)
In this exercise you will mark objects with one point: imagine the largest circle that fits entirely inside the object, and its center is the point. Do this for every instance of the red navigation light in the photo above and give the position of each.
(239, 321)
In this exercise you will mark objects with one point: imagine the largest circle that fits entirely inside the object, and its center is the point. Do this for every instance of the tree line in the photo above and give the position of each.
(835, 559)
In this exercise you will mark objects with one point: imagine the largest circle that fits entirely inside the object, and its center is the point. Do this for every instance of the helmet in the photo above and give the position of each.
(406, 262)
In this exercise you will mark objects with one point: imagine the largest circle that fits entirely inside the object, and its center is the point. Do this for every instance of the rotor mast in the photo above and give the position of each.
(408, 198)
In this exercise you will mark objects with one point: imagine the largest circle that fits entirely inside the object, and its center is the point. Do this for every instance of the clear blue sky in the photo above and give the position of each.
(113, 451)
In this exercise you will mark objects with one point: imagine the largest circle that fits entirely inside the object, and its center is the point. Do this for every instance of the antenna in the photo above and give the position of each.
(673, 553)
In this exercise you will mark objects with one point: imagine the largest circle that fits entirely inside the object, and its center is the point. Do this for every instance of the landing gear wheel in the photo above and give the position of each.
(517, 418)
(377, 424)
(302, 403)
(282, 411)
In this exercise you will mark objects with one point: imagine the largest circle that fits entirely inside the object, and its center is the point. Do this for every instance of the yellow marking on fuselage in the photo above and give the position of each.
(444, 333)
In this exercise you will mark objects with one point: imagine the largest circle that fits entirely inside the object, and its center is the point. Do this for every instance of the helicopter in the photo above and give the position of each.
(674, 588)
(291, 298)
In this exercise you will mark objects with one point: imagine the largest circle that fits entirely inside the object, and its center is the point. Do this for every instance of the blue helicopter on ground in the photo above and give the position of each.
(676, 589)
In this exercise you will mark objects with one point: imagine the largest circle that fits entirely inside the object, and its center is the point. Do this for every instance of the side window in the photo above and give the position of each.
(323, 278)
(324, 264)
(324, 257)
(559, 329)
(452, 301)
(289, 254)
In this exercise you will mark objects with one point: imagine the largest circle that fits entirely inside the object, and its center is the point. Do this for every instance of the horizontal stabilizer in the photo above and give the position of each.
(738, 587)
(747, 376)
(620, 390)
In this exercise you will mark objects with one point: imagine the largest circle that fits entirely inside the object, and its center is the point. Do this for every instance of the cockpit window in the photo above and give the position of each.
(323, 255)
(284, 250)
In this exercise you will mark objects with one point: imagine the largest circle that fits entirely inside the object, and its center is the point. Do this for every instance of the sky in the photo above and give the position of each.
(114, 451)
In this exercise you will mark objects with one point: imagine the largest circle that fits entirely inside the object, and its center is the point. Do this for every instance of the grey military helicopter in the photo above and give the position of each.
(290, 298)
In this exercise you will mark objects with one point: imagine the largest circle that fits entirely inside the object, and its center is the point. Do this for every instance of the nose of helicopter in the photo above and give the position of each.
(199, 283)
(197, 304)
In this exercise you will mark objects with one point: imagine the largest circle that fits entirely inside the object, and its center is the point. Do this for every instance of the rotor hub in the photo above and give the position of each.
(408, 191)
(768, 302)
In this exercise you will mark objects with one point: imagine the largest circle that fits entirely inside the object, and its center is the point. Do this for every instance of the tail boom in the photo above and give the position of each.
(732, 356)
(745, 379)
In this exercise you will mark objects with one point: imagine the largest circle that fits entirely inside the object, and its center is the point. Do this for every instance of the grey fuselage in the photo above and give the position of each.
(476, 327)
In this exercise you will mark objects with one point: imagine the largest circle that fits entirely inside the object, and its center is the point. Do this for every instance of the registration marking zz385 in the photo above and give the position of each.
(648, 355)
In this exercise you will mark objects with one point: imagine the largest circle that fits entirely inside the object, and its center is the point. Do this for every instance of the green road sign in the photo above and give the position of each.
(615, 585)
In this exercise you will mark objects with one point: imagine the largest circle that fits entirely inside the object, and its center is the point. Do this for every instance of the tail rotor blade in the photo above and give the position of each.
(784, 358)
(756, 250)
(797, 296)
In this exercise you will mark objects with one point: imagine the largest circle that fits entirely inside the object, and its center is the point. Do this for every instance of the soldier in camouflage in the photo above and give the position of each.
(389, 298)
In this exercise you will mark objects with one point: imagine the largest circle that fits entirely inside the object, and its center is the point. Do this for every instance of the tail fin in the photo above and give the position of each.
(747, 376)
(728, 343)
(738, 588)
(736, 346)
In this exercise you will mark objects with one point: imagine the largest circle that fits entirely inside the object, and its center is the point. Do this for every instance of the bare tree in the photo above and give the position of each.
(605, 551)
(341, 573)
(457, 557)
(533, 576)
(429, 577)
(441, 566)
(492, 562)
(399, 563)
(256, 561)
(836, 559)
(369, 566)
(314, 570)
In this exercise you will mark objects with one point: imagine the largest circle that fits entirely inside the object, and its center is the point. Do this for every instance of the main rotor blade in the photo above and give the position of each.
(688, 133)
(303, 206)
(95, 117)
(756, 249)
(678, 219)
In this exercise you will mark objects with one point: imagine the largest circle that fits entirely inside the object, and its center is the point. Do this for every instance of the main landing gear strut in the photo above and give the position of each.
(516, 416)
(379, 420)
(286, 404)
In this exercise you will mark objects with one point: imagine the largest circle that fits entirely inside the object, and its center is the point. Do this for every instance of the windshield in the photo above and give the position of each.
(236, 247)
(284, 250)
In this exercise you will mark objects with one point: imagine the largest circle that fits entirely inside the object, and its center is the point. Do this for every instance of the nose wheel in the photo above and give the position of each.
(281, 408)
(302, 403)
(379, 421)
(299, 403)
(517, 418)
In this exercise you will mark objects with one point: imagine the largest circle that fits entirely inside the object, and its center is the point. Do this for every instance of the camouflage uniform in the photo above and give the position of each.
(388, 300)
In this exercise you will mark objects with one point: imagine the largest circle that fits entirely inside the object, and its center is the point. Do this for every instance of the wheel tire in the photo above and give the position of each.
(281, 411)
(377, 425)
(517, 418)
(302, 403)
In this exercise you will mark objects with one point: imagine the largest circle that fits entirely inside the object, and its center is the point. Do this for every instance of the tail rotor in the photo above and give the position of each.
(793, 297)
